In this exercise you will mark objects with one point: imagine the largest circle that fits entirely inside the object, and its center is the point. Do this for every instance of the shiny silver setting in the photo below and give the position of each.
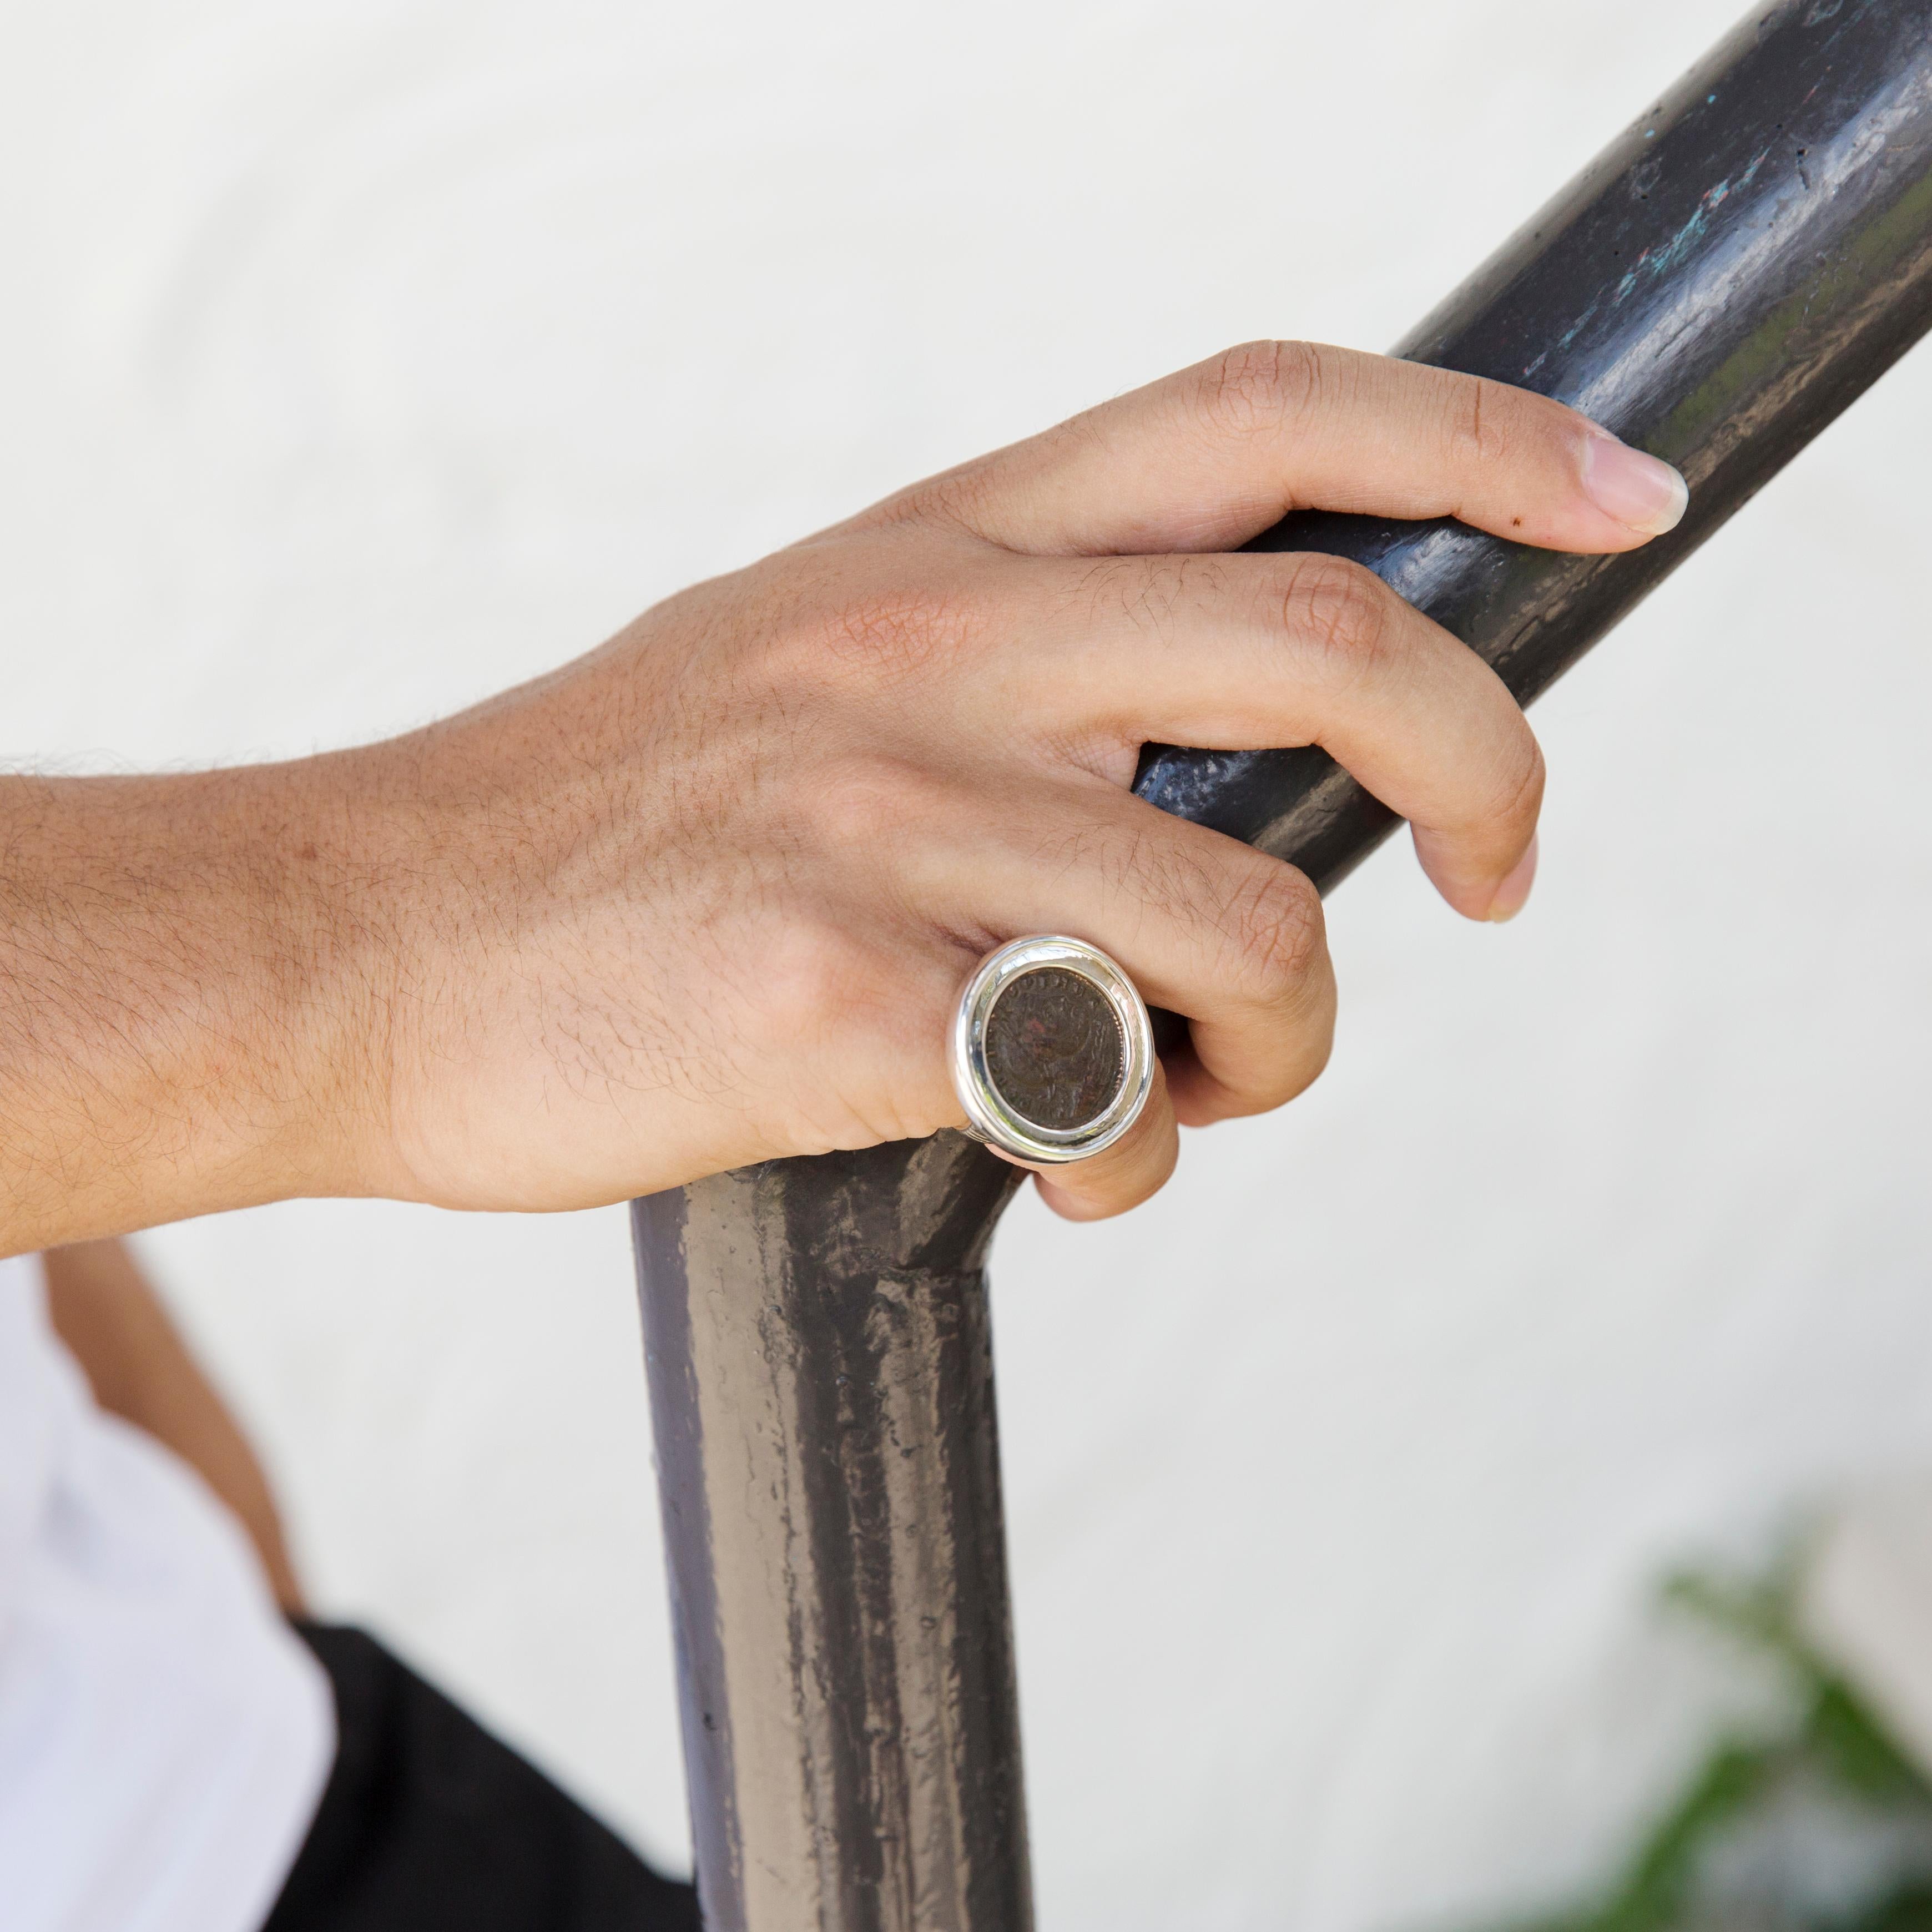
(992, 1117)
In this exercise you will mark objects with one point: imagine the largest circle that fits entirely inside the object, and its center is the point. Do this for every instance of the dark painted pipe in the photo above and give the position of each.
(1731, 273)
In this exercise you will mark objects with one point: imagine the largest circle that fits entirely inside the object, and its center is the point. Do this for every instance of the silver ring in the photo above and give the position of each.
(1060, 1075)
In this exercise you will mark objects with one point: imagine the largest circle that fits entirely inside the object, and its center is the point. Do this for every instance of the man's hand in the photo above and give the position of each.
(706, 895)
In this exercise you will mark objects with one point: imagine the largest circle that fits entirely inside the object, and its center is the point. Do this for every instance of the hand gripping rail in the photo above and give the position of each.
(1729, 275)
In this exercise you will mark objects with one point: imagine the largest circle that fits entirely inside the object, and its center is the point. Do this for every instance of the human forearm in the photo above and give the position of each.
(185, 995)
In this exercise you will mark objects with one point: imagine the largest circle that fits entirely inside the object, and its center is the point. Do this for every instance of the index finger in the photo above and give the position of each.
(1205, 459)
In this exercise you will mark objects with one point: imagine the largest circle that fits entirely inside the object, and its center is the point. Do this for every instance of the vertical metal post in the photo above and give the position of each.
(1731, 273)
(822, 1386)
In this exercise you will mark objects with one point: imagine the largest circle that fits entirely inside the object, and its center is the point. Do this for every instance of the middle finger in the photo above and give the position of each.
(1253, 651)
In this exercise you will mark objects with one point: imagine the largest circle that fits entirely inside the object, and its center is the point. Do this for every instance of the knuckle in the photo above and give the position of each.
(1479, 426)
(1342, 611)
(1274, 932)
(894, 634)
(852, 798)
(813, 975)
(962, 500)
(1256, 387)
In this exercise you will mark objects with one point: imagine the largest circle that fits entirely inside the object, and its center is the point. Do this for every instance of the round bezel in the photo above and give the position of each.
(993, 1119)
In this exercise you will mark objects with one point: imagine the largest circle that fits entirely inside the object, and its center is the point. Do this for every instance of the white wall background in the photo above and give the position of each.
(360, 357)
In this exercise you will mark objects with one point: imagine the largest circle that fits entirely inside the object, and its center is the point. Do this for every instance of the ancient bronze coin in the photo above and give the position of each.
(1054, 1048)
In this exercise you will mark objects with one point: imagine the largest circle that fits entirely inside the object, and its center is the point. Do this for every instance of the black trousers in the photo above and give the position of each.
(429, 1824)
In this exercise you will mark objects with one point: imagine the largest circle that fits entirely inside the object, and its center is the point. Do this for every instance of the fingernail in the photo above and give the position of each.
(1514, 890)
(1637, 490)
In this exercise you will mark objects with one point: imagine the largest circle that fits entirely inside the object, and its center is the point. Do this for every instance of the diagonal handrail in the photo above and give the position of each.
(1725, 277)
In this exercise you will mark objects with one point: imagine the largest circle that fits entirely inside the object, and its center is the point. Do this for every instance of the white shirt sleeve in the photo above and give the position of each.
(164, 1737)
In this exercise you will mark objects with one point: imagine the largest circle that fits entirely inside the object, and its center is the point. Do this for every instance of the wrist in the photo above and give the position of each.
(327, 976)
(186, 998)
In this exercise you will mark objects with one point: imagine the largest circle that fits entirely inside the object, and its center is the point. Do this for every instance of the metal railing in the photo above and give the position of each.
(1729, 275)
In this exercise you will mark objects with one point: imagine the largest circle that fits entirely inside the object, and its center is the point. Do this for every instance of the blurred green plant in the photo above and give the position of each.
(1832, 1760)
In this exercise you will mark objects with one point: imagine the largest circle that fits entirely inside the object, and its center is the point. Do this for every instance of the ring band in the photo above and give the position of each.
(1052, 1051)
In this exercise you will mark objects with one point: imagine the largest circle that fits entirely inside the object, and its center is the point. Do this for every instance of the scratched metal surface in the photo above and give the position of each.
(1723, 281)
(821, 1382)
